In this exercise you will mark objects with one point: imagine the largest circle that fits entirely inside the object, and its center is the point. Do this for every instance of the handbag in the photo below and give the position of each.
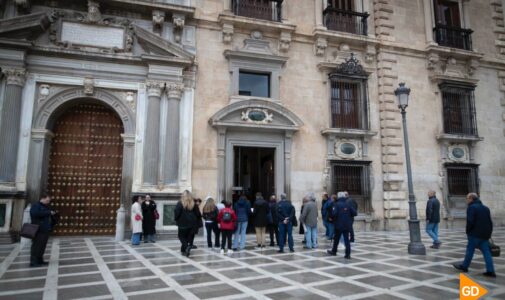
(138, 217)
(29, 231)
(495, 249)
(156, 214)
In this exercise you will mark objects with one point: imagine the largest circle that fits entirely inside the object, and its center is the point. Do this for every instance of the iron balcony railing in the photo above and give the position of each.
(453, 37)
(270, 10)
(345, 20)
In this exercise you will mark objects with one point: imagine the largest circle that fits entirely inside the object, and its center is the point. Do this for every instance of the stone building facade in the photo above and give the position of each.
(104, 100)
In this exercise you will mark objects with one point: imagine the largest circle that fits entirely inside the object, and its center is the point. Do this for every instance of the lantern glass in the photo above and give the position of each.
(402, 93)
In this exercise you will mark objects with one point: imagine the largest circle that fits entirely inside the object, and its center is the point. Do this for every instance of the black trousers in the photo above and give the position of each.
(273, 230)
(212, 227)
(351, 233)
(226, 236)
(39, 244)
(185, 235)
(336, 240)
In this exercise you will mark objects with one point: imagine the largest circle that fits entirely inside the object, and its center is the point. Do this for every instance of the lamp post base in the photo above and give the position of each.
(417, 248)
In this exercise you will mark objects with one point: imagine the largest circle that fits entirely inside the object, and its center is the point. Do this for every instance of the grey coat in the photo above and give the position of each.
(309, 214)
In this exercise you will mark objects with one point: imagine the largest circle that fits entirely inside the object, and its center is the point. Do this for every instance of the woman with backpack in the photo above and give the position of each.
(186, 215)
(227, 220)
(210, 213)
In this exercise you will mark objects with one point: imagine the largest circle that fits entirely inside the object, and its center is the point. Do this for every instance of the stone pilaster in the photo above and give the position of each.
(10, 123)
(127, 180)
(171, 169)
(288, 142)
(498, 26)
(221, 163)
(383, 14)
(152, 133)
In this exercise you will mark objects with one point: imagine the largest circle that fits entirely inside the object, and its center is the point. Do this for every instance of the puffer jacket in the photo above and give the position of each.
(242, 210)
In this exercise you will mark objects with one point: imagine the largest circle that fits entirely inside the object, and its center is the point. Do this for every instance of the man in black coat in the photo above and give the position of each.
(479, 228)
(351, 202)
(433, 218)
(40, 214)
(342, 214)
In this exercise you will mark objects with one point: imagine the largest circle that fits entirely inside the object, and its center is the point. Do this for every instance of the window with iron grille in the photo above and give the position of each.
(270, 10)
(458, 109)
(448, 31)
(348, 104)
(462, 179)
(341, 15)
(353, 177)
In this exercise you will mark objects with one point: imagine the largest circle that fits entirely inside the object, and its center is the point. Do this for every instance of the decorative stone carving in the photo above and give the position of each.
(94, 14)
(178, 21)
(432, 61)
(154, 88)
(228, 31)
(256, 44)
(130, 100)
(285, 41)
(15, 76)
(175, 90)
(321, 45)
(458, 153)
(158, 19)
(351, 66)
(348, 149)
(472, 65)
(370, 54)
(89, 85)
(257, 116)
(44, 91)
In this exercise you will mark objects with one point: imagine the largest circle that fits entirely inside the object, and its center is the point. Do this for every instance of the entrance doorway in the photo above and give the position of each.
(85, 170)
(254, 171)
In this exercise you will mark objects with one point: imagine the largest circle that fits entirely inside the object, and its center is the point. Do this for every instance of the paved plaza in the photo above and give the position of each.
(99, 268)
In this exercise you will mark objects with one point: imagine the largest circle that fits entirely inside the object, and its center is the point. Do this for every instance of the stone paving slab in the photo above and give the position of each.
(380, 268)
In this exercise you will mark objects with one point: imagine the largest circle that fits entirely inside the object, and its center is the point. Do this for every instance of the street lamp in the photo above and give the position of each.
(415, 245)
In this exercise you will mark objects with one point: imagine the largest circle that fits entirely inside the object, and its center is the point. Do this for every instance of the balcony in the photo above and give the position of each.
(453, 37)
(345, 21)
(270, 10)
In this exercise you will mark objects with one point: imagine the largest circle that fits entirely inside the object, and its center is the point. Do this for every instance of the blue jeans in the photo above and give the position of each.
(311, 236)
(149, 238)
(432, 231)
(483, 245)
(331, 231)
(136, 238)
(240, 232)
(283, 229)
(326, 232)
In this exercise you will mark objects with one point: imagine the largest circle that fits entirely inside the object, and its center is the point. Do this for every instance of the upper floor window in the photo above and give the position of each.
(348, 96)
(270, 10)
(458, 109)
(254, 84)
(448, 29)
(341, 15)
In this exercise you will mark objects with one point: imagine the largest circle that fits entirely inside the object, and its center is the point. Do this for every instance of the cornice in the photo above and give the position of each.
(149, 5)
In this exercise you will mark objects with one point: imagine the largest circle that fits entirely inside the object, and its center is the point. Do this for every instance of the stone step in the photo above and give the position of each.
(5, 238)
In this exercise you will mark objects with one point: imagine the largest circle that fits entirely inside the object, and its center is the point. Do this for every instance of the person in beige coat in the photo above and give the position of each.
(136, 220)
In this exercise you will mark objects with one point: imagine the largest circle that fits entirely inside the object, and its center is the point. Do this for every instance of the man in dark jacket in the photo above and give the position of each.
(351, 202)
(285, 214)
(323, 213)
(479, 228)
(40, 214)
(433, 218)
(273, 227)
(342, 214)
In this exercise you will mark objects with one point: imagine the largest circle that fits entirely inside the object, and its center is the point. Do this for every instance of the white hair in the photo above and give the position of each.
(341, 195)
(283, 196)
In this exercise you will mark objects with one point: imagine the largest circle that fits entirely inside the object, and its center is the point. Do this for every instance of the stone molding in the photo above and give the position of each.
(498, 25)
(15, 76)
(41, 134)
(154, 88)
(383, 19)
(175, 90)
(501, 77)
(25, 26)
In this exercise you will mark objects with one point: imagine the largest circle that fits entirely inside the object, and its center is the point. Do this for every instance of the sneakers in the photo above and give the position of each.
(490, 274)
(347, 257)
(460, 267)
(230, 252)
(329, 252)
(222, 251)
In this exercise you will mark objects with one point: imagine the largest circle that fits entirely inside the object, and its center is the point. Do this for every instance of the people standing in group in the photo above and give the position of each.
(210, 213)
(243, 211)
(285, 215)
(341, 215)
(351, 202)
(187, 217)
(309, 218)
(433, 218)
(479, 228)
(41, 214)
(136, 220)
(327, 208)
(273, 226)
(198, 202)
(324, 199)
(149, 211)
(227, 219)
(260, 213)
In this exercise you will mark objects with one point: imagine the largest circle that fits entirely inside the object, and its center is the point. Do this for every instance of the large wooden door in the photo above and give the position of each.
(85, 170)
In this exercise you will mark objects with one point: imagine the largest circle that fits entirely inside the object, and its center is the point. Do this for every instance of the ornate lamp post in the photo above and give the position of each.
(415, 245)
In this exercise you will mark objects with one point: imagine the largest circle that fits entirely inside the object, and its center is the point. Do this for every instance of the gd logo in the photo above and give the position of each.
(469, 289)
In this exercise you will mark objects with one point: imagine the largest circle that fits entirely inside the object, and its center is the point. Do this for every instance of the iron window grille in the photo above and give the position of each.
(270, 10)
(340, 15)
(348, 104)
(353, 177)
(462, 179)
(448, 31)
(459, 109)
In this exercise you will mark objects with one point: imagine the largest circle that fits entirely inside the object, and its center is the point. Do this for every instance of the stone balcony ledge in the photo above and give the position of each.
(458, 138)
(348, 133)
(264, 26)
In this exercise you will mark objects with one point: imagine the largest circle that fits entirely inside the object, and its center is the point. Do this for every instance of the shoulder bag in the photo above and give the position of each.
(29, 231)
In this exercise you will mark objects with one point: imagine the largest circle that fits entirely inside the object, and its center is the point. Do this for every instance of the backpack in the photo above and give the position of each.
(227, 217)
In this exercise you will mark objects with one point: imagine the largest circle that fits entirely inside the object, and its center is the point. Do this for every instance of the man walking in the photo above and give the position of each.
(351, 202)
(309, 218)
(479, 228)
(41, 215)
(433, 218)
(285, 214)
(342, 214)
(323, 213)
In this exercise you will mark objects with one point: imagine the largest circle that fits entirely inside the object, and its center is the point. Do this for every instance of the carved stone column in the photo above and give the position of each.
(221, 164)
(10, 123)
(288, 141)
(152, 134)
(171, 169)
(38, 162)
(428, 21)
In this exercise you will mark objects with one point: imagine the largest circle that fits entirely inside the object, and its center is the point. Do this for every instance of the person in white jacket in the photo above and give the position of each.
(136, 220)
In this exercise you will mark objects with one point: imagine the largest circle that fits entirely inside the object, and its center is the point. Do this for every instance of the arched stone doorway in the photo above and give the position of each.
(84, 173)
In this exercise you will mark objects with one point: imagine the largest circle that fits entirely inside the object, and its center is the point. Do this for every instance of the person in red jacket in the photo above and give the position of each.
(227, 220)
